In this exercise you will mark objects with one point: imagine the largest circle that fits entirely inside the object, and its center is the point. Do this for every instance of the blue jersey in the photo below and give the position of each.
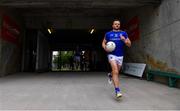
(115, 37)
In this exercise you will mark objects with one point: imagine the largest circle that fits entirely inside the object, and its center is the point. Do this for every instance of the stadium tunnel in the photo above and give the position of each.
(31, 30)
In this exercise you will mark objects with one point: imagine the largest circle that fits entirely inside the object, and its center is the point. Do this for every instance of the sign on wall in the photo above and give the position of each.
(135, 69)
(10, 30)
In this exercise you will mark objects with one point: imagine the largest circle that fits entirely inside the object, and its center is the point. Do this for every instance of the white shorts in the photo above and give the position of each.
(118, 59)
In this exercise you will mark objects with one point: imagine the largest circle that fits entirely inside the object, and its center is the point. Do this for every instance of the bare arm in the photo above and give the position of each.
(104, 44)
(128, 42)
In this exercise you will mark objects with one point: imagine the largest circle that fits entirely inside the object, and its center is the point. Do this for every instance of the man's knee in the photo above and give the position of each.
(115, 71)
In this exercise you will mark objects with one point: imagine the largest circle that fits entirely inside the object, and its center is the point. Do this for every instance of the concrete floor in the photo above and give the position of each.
(88, 90)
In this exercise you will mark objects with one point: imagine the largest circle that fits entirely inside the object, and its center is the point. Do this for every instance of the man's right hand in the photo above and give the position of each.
(104, 45)
(106, 50)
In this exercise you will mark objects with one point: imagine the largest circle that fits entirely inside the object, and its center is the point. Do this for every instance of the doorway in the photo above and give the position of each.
(71, 60)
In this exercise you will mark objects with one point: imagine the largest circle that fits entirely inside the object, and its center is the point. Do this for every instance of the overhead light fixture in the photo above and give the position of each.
(92, 31)
(49, 30)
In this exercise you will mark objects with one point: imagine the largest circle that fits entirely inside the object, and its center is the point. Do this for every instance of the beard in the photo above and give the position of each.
(116, 28)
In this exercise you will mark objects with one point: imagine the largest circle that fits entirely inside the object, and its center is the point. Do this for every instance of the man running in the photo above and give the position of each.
(115, 58)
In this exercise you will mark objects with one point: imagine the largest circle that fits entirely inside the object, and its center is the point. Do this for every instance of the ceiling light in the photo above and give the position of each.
(49, 30)
(92, 30)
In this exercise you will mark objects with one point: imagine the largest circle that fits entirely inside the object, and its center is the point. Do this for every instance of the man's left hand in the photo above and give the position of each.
(122, 38)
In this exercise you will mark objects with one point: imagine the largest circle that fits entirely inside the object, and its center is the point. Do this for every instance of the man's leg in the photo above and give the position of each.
(119, 61)
(119, 68)
(115, 73)
(115, 77)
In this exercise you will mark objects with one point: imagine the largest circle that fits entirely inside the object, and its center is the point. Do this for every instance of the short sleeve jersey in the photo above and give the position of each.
(115, 37)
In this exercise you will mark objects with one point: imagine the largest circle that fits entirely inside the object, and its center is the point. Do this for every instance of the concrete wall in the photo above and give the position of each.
(160, 42)
(29, 51)
(43, 53)
(10, 54)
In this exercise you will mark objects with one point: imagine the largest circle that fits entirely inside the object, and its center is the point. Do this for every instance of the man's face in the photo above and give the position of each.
(116, 25)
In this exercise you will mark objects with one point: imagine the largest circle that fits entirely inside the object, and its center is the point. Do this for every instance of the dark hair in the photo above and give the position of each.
(116, 20)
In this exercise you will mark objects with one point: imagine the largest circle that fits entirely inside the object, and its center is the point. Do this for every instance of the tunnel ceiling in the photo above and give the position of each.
(76, 3)
(53, 11)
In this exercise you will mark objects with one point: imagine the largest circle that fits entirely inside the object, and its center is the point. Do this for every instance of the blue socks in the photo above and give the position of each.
(117, 90)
